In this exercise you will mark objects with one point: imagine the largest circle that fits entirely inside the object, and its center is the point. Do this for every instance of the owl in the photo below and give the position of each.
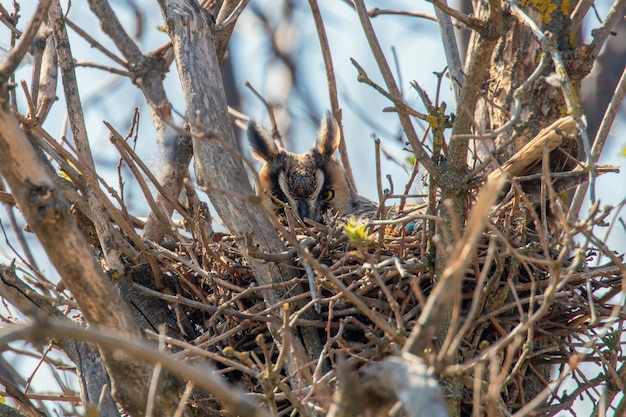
(311, 183)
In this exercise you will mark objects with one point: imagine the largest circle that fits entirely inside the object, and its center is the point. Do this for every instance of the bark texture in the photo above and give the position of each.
(218, 164)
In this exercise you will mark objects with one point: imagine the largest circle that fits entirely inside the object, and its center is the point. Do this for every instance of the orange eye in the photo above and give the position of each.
(327, 194)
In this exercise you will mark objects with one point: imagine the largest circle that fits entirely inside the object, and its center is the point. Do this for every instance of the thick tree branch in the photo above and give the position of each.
(106, 232)
(47, 213)
(235, 400)
(218, 165)
(92, 375)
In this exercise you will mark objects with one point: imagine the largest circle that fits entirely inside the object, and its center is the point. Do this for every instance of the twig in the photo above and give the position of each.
(442, 295)
(13, 59)
(105, 68)
(234, 399)
(471, 22)
(598, 144)
(332, 87)
(394, 93)
(95, 44)
(129, 155)
(379, 12)
(450, 47)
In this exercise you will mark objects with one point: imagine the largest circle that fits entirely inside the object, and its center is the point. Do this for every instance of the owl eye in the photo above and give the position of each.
(327, 194)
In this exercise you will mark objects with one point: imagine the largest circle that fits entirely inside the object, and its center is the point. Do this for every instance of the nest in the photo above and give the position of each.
(524, 305)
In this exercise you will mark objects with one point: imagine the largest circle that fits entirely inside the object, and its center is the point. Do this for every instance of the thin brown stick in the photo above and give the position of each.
(332, 86)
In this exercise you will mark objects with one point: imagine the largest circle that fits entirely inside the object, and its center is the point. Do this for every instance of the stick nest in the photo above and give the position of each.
(525, 306)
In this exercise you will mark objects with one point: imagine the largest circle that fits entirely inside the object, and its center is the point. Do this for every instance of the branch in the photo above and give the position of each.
(16, 54)
(235, 400)
(147, 73)
(598, 144)
(451, 48)
(394, 93)
(218, 167)
(95, 44)
(332, 87)
(570, 95)
(115, 30)
(379, 12)
(225, 24)
(92, 375)
(579, 13)
(442, 296)
(47, 214)
(600, 34)
(471, 22)
(105, 231)
(476, 73)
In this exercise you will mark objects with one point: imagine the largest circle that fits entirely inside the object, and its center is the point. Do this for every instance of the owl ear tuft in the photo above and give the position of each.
(261, 143)
(328, 136)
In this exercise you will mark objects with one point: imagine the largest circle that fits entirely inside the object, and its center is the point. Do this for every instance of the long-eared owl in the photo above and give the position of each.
(310, 183)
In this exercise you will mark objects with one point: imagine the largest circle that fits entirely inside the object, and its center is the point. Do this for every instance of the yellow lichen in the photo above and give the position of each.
(566, 7)
(544, 7)
(432, 121)
(572, 41)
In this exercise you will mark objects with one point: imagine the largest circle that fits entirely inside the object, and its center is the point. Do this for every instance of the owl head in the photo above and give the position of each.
(311, 183)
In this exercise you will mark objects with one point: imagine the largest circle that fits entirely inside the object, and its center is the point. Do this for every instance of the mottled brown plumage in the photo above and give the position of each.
(310, 183)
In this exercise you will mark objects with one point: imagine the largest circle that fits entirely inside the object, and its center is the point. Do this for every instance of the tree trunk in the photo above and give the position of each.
(218, 163)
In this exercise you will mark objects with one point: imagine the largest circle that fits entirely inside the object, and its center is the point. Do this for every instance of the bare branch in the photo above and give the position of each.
(471, 22)
(110, 341)
(600, 34)
(579, 13)
(441, 298)
(332, 86)
(451, 48)
(105, 230)
(230, 11)
(394, 93)
(46, 211)
(15, 56)
(115, 30)
(598, 144)
(217, 168)
(381, 12)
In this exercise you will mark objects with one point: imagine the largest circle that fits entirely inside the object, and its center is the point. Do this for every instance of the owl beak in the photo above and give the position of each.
(303, 208)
